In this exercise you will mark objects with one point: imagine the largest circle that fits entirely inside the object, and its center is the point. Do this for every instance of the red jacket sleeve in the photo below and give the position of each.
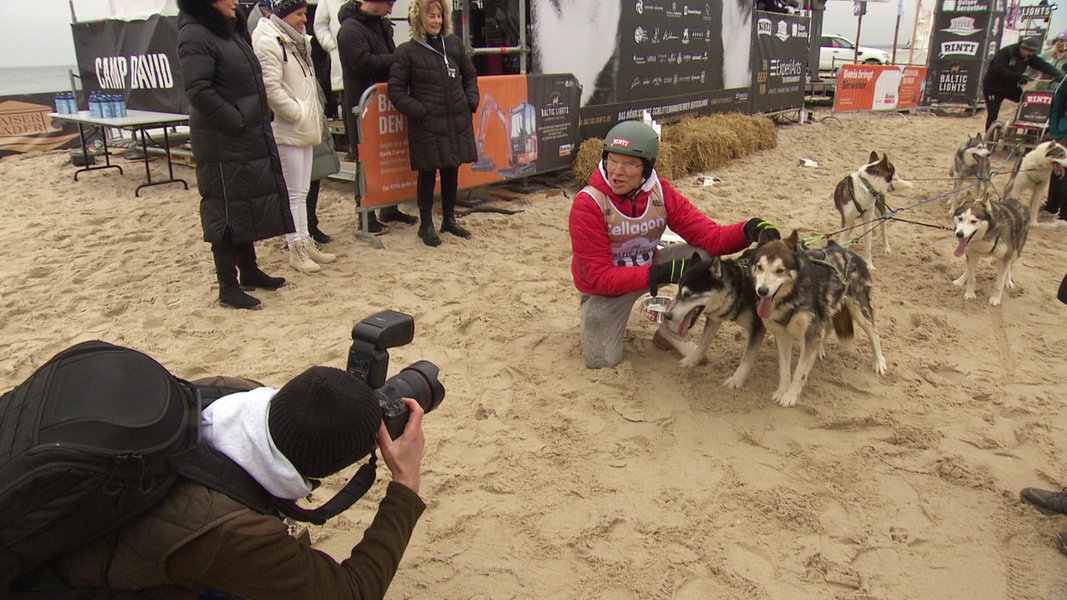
(699, 230)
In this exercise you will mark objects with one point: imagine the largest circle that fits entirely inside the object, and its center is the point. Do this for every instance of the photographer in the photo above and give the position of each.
(198, 539)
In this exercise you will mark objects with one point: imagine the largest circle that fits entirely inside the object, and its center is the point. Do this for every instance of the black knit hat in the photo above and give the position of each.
(324, 420)
(1031, 43)
(284, 8)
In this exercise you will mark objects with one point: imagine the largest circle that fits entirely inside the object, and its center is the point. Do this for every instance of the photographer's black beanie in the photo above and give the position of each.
(324, 420)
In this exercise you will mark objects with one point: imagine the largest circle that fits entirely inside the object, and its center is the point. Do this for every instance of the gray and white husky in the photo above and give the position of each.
(1029, 179)
(803, 293)
(997, 229)
(860, 199)
(721, 290)
(970, 162)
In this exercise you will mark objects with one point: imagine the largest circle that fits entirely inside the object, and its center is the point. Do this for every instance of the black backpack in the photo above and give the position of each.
(96, 437)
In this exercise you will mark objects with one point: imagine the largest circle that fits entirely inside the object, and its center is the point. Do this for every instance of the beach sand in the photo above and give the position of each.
(547, 480)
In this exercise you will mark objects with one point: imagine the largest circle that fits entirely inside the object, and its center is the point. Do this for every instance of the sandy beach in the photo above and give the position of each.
(547, 480)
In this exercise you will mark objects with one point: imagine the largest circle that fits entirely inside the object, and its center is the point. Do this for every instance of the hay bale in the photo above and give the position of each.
(586, 161)
(693, 145)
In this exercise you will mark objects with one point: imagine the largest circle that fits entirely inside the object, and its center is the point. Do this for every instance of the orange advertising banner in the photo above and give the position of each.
(867, 87)
(524, 125)
(912, 88)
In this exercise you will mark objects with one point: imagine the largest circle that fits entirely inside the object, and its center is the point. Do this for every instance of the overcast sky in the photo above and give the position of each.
(37, 32)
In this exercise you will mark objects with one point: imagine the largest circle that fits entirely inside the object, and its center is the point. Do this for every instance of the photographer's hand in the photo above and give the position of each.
(403, 455)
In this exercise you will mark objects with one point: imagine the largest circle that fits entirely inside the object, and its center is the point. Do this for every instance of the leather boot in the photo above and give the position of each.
(251, 275)
(373, 225)
(299, 259)
(317, 255)
(392, 214)
(230, 293)
(448, 219)
(313, 218)
(426, 231)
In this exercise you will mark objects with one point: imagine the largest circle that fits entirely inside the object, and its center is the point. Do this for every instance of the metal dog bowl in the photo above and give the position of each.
(653, 307)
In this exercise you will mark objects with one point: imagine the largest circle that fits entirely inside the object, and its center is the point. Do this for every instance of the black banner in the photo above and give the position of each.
(965, 37)
(556, 99)
(781, 62)
(138, 59)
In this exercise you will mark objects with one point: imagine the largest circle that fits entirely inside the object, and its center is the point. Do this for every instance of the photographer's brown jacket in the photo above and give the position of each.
(199, 539)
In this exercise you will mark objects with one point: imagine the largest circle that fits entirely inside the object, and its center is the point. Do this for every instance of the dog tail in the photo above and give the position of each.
(843, 323)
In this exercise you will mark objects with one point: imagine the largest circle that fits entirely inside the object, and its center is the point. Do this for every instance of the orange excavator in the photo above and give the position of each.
(521, 126)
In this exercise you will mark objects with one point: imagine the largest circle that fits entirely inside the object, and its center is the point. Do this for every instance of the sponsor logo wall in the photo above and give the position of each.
(524, 125)
(781, 61)
(965, 37)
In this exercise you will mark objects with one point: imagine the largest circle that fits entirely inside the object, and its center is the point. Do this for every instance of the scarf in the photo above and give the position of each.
(300, 39)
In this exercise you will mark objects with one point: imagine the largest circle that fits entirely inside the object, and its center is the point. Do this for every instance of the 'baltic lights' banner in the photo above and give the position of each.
(964, 38)
(525, 124)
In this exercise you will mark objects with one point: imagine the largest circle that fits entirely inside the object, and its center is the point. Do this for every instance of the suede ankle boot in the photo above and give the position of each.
(299, 259)
(251, 276)
(317, 255)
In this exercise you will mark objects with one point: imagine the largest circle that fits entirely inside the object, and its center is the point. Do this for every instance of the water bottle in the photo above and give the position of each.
(109, 106)
(61, 104)
(121, 111)
(72, 103)
(94, 105)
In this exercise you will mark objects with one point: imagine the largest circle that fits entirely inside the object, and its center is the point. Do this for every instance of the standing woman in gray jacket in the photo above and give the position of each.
(238, 173)
(284, 51)
(434, 84)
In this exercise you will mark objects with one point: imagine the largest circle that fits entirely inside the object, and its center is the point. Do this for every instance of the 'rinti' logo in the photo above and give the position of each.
(625, 143)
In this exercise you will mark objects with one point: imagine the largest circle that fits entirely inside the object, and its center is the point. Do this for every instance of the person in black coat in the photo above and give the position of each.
(365, 46)
(238, 172)
(433, 83)
(1005, 76)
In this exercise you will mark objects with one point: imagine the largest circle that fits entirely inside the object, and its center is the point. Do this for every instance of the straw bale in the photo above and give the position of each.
(693, 145)
(588, 158)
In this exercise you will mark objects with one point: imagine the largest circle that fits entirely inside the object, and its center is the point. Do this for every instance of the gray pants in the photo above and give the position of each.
(603, 318)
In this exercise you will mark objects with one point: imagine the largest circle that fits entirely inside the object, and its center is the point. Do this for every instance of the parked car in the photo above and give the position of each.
(836, 51)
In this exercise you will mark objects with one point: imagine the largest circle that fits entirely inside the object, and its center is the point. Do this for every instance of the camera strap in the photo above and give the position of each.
(353, 491)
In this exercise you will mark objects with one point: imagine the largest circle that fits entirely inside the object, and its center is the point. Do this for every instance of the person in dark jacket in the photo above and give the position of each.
(366, 47)
(238, 172)
(433, 83)
(1006, 75)
(320, 422)
(1057, 186)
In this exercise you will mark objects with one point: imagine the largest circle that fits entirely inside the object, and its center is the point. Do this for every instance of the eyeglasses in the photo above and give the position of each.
(628, 167)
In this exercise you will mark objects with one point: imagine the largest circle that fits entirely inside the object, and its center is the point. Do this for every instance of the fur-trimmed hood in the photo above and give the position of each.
(205, 14)
(420, 7)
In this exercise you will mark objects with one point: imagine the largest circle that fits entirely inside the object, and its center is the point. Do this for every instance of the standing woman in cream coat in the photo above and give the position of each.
(284, 51)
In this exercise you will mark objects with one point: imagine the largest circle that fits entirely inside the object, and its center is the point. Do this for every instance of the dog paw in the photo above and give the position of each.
(969, 295)
(734, 382)
(789, 398)
(778, 394)
(690, 361)
(880, 366)
(994, 300)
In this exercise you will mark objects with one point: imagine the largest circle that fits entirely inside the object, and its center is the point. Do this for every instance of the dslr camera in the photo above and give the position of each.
(368, 359)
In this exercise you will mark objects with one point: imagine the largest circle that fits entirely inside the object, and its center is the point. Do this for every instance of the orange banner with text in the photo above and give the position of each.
(878, 87)
(524, 125)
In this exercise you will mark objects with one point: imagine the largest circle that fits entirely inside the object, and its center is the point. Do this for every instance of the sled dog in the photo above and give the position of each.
(860, 197)
(1029, 179)
(721, 290)
(971, 162)
(802, 294)
(997, 229)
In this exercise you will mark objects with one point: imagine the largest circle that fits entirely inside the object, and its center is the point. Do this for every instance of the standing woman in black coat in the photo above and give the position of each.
(238, 172)
(434, 84)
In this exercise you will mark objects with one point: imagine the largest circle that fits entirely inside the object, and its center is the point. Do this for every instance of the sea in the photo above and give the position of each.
(15, 81)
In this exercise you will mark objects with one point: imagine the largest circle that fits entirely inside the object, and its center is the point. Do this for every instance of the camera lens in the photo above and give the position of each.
(418, 381)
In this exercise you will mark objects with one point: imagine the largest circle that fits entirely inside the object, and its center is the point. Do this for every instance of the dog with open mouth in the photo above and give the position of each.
(1029, 179)
(721, 290)
(994, 229)
(803, 294)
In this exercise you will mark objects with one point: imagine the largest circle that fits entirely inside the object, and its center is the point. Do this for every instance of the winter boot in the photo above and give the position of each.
(392, 214)
(299, 259)
(426, 232)
(448, 219)
(313, 218)
(317, 255)
(230, 293)
(251, 275)
(373, 225)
